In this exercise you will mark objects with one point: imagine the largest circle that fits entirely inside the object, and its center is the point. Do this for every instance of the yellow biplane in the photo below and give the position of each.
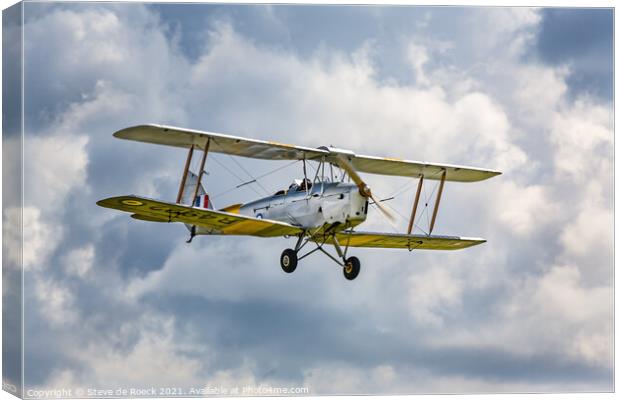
(321, 209)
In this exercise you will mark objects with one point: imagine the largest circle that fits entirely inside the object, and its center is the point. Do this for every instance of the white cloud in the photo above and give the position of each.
(355, 110)
(79, 262)
(504, 33)
(418, 57)
(53, 166)
(12, 237)
(583, 137)
(56, 301)
(432, 293)
(538, 91)
(524, 209)
(40, 238)
(587, 236)
(557, 311)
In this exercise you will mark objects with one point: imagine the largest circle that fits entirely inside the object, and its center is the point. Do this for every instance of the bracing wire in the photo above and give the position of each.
(254, 180)
(248, 173)
(233, 174)
(227, 169)
(241, 167)
(426, 200)
(277, 169)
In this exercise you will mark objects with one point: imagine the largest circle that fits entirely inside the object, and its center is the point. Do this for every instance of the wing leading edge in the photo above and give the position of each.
(219, 222)
(404, 241)
(266, 150)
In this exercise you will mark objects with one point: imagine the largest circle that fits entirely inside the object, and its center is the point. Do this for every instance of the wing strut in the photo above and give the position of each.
(202, 170)
(185, 169)
(443, 179)
(415, 204)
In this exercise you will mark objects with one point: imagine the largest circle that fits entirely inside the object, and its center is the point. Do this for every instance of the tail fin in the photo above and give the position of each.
(202, 199)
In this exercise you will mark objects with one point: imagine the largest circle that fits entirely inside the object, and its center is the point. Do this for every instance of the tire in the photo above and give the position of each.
(288, 260)
(351, 268)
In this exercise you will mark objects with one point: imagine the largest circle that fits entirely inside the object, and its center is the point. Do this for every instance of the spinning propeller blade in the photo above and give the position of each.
(363, 187)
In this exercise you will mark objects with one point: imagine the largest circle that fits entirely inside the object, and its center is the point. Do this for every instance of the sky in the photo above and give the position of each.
(114, 302)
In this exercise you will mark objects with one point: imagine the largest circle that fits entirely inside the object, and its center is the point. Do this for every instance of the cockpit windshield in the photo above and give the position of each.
(298, 185)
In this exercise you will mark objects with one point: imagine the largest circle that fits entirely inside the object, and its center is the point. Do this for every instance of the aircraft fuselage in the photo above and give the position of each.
(324, 203)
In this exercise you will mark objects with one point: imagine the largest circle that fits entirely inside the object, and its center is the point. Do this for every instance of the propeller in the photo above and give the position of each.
(364, 189)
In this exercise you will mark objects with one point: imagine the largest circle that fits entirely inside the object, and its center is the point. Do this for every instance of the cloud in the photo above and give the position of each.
(557, 302)
(583, 137)
(55, 164)
(523, 209)
(582, 40)
(418, 57)
(152, 361)
(41, 240)
(55, 301)
(79, 262)
(332, 379)
(433, 292)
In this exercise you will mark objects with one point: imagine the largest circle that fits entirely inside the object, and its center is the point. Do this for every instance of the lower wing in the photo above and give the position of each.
(219, 222)
(403, 241)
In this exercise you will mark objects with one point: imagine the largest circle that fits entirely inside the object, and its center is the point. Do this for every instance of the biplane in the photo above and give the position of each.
(321, 209)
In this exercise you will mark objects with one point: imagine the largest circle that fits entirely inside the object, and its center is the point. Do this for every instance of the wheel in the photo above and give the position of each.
(351, 268)
(288, 260)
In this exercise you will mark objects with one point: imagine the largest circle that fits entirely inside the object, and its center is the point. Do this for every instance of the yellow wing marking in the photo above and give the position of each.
(244, 228)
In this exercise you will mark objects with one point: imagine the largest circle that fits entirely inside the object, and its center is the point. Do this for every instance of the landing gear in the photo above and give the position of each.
(351, 268)
(288, 260)
(290, 257)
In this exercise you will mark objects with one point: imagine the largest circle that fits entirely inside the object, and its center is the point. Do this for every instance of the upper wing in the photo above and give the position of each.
(239, 146)
(397, 167)
(220, 143)
(404, 241)
(220, 222)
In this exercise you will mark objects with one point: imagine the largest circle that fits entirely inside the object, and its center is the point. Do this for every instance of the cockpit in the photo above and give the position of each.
(298, 185)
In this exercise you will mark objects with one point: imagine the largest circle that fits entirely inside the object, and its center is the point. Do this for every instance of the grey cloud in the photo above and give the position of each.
(311, 337)
(582, 38)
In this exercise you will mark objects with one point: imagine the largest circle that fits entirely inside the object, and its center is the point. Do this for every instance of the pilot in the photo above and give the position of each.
(305, 185)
